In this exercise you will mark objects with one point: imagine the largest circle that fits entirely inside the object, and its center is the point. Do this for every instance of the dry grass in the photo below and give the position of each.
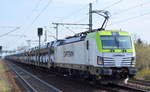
(8, 80)
(4, 84)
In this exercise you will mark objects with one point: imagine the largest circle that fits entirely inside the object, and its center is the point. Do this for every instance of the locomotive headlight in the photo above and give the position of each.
(99, 60)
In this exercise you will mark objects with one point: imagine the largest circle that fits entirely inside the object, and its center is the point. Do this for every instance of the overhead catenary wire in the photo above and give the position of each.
(44, 8)
(6, 27)
(81, 19)
(17, 35)
(74, 13)
(37, 5)
(10, 32)
(70, 30)
(34, 8)
(115, 3)
(128, 19)
(71, 27)
(78, 21)
(131, 8)
(77, 11)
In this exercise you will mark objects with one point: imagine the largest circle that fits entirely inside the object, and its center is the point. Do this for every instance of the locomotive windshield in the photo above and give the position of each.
(116, 42)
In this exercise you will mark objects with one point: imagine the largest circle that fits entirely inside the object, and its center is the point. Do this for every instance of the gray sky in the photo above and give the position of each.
(128, 15)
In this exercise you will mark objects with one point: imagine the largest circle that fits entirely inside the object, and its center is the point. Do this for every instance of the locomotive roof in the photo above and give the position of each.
(76, 38)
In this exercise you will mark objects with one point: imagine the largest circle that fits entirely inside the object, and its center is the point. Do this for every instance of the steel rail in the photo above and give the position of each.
(130, 88)
(31, 78)
(140, 82)
(24, 83)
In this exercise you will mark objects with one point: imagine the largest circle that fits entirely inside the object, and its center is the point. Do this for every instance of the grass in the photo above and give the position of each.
(144, 74)
(4, 84)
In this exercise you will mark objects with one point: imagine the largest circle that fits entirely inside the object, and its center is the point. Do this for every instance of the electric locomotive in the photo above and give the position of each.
(104, 56)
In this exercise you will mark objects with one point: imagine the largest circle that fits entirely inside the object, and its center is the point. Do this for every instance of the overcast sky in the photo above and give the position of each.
(128, 15)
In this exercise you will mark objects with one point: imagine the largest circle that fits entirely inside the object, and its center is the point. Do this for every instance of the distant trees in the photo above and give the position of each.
(142, 54)
(139, 41)
(142, 59)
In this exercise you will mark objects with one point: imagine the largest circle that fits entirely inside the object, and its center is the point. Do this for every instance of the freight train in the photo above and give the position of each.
(102, 55)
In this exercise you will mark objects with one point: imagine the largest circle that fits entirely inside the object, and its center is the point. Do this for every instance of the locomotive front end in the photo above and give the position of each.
(116, 55)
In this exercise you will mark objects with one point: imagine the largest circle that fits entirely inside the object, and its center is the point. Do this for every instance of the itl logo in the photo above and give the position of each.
(68, 53)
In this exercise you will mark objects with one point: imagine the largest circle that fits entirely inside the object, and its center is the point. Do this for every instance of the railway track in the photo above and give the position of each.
(30, 82)
(73, 88)
(129, 88)
(141, 84)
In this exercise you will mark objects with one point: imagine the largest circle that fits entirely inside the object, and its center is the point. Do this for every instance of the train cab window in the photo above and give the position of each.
(116, 42)
(124, 42)
(108, 42)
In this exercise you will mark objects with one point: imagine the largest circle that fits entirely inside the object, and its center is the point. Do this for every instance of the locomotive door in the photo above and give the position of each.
(88, 48)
